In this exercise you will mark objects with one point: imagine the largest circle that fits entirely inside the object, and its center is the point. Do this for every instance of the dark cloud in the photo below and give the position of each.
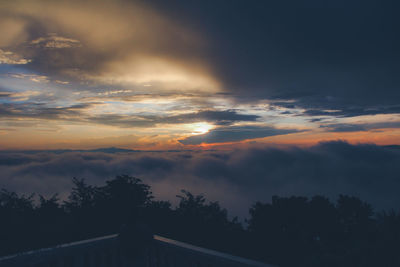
(5, 94)
(234, 134)
(41, 111)
(224, 117)
(336, 55)
(342, 127)
(125, 121)
(236, 178)
(351, 111)
(219, 117)
(76, 112)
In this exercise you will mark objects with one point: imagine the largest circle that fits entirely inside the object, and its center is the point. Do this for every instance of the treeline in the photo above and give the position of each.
(294, 231)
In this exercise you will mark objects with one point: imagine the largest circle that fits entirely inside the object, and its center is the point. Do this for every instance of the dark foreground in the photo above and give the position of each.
(294, 231)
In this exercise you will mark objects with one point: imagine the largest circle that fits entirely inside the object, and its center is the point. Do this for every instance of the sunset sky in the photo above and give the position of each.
(155, 75)
(239, 100)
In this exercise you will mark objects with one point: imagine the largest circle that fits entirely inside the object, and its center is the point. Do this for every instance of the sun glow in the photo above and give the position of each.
(201, 127)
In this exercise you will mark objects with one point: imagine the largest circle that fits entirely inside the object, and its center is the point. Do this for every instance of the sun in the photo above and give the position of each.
(201, 127)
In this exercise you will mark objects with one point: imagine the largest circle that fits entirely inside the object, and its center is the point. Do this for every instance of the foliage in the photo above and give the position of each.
(289, 231)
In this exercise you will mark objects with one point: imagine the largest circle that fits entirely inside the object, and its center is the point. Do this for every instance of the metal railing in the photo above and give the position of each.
(105, 252)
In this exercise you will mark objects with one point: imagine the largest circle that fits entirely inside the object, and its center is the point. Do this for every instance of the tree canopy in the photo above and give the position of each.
(287, 231)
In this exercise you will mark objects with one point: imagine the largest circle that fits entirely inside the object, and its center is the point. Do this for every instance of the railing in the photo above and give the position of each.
(104, 252)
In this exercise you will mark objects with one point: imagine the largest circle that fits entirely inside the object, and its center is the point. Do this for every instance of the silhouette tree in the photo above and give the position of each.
(160, 217)
(280, 228)
(82, 196)
(125, 193)
(15, 213)
(50, 220)
(388, 241)
(121, 197)
(205, 224)
(289, 231)
(82, 217)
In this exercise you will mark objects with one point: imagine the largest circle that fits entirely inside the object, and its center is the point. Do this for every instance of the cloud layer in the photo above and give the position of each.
(236, 178)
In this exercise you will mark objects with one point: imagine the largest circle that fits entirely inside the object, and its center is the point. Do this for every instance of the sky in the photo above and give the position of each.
(199, 77)
(154, 75)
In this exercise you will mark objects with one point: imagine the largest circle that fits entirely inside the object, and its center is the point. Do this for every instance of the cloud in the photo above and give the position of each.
(343, 127)
(341, 55)
(135, 46)
(78, 113)
(352, 111)
(272, 51)
(5, 94)
(13, 29)
(234, 134)
(31, 77)
(7, 57)
(235, 178)
(220, 117)
(158, 69)
(41, 111)
(54, 41)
